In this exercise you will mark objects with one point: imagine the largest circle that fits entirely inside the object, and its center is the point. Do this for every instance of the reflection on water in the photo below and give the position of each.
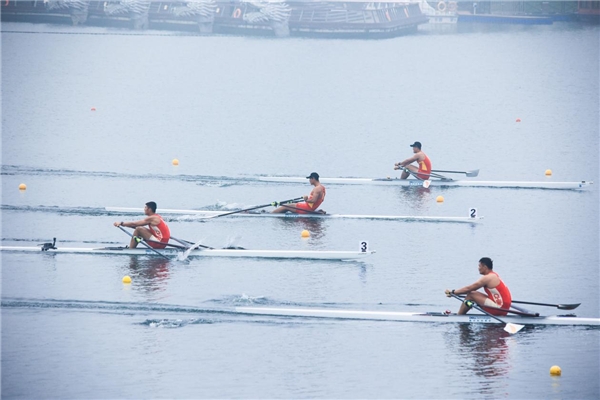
(417, 197)
(150, 274)
(487, 346)
(314, 225)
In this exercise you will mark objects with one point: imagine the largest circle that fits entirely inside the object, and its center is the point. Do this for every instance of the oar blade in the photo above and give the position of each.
(473, 173)
(183, 256)
(567, 306)
(513, 328)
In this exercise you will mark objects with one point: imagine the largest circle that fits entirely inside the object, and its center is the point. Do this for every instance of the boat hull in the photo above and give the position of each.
(415, 317)
(435, 182)
(281, 254)
(212, 214)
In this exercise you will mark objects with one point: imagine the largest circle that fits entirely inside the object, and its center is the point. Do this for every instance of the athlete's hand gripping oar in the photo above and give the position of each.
(559, 306)
(144, 243)
(470, 174)
(274, 204)
(509, 327)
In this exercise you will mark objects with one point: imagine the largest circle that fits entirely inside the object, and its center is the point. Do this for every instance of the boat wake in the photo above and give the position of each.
(203, 180)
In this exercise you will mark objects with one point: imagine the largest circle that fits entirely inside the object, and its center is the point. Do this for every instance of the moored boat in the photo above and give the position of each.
(333, 18)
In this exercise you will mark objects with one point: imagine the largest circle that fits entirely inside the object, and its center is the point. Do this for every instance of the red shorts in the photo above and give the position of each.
(496, 312)
(423, 176)
(302, 206)
(152, 242)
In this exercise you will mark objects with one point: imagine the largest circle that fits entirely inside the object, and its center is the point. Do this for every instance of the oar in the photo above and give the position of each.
(187, 252)
(522, 312)
(274, 204)
(559, 306)
(187, 243)
(176, 246)
(470, 174)
(509, 327)
(144, 243)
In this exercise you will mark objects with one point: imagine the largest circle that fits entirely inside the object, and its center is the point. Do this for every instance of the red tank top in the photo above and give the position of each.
(500, 294)
(161, 231)
(424, 168)
(316, 204)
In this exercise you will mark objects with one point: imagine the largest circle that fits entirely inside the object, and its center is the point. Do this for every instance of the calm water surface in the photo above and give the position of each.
(232, 109)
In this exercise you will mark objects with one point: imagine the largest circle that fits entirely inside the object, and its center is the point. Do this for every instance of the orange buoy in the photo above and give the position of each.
(22, 186)
(93, 108)
(518, 119)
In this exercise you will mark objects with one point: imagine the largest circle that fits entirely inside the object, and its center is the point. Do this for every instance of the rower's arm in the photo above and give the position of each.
(472, 287)
(142, 222)
(408, 161)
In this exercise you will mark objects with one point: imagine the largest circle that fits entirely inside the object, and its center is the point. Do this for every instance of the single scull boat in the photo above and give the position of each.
(206, 213)
(141, 251)
(416, 316)
(436, 182)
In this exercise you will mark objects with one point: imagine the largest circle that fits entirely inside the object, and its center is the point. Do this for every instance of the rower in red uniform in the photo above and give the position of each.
(423, 171)
(157, 230)
(498, 295)
(311, 202)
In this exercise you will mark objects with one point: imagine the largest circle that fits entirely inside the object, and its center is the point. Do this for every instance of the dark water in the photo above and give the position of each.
(232, 109)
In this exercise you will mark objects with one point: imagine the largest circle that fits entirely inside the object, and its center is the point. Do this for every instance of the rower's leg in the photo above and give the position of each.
(477, 297)
(406, 174)
(139, 231)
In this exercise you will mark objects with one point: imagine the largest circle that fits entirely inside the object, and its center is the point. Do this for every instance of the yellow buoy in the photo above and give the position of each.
(126, 279)
(22, 186)
(555, 370)
(305, 233)
(175, 161)
(440, 199)
(548, 172)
